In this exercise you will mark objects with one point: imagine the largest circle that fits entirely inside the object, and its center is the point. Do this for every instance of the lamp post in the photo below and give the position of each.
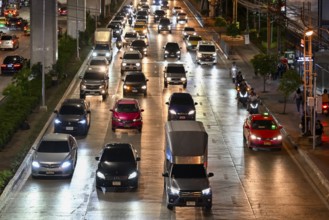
(43, 93)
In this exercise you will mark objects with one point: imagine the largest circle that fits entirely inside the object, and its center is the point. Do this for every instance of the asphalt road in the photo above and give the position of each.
(247, 184)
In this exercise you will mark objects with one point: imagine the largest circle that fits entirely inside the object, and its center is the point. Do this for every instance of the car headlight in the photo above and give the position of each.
(35, 164)
(138, 64)
(66, 164)
(199, 55)
(101, 87)
(144, 31)
(168, 78)
(178, 52)
(144, 87)
(254, 137)
(160, 26)
(132, 175)
(214, 54)
(102, 68)
(173, 112)
(94, 54)
(107, 54)
(189, 44)
(174, 191)
(278, 138)
(57, 121)
(82, 86)
(191, 112)
(100, 175)
(137, 119)
(144, 49)
(183, 79)
(166, 51)
(169, 27)
(124, 64)
(126, 87)
(116, 119)
(206, 191)
(83, 121)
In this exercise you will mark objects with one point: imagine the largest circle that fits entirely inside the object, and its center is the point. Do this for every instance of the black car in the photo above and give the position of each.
(158, 14)
(74, 116)
(117, 166)
(164, 25)
(139, 45)
(172, 49)
(181, 106)
(16, 23)
(116, 27)
(135, 82)
(12, 64)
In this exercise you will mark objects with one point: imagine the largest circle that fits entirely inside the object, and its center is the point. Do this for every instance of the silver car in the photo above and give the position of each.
(55, 155)
(9, 42)
(131, 61)
(99, 63)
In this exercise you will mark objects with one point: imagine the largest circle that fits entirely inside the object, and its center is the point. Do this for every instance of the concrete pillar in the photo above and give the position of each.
(44, 32)
(94, 7)
(76, 13)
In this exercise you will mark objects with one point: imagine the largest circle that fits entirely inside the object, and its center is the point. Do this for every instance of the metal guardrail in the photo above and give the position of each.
(195, 12)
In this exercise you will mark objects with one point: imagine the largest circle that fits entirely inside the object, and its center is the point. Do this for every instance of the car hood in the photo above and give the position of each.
(72, 118)
(171, 50)
(176, 74)
(132, 61)
(182, 108)
(117, 168)
(266, 133)
(135, 83)
(190, 184)
(127, 116)
(51, 157)
(96, 82)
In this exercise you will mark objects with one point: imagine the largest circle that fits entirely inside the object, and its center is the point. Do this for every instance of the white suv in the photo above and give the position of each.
(131, 61)
(206, 53)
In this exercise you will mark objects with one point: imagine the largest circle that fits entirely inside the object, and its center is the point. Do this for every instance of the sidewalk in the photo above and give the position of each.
(317, 160)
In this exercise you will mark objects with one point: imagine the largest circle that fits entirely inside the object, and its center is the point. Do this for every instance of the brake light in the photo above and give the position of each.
(17, 65)
(325, 106)
(3, 65)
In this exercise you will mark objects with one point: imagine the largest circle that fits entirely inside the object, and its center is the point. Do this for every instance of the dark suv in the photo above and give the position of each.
(172, 49)
(139, 45)
(158, 14)
(175, 74)
(164, 25)
(73, 117)
(135, 82)
(181, 107)
(94, 83)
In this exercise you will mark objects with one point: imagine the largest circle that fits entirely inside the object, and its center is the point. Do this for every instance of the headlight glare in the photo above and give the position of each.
(57, 121)
(172, 111)
(66, 164)
(35, 164)
(191, 112)
(132, 175)
(206, 191)
(174, 191)
(100, 175)
(83, 121)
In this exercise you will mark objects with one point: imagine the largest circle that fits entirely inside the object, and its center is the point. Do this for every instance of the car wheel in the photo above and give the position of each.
(113, 129)
(104, 97)
(166, 85)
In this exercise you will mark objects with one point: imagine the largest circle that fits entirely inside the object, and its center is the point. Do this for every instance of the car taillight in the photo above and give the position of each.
(19, 22)
(324, 106)
(17, 65)
(3, 65)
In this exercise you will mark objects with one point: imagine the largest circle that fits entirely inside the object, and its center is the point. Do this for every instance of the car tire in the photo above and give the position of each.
(165, 84)
(113, 129)
(104, 97)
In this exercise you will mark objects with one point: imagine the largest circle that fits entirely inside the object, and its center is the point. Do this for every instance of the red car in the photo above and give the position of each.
(262, 131)
(127, 114)
(62, 11)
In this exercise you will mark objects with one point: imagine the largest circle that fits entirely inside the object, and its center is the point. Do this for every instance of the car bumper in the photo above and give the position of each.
(181, 117)
(131, 68)
(266, 145)
(116, 183)
(71, 129)
(60, 172)
(212, 60)
(127, 124)
(93, 92)
(9, 71)
(203, 201)
(134, 90)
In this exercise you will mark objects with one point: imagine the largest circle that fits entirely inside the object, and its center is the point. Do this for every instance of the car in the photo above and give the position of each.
(139, 45)
(121, 19)
(12, 64)
(157, 2)
(3, 21)
(130, 36)
(16, 23)
(94, 83)
(99, 64)
(118, 166)
(27, 29)
(127, 113)
(181, 16)
(175, 74)
(176, 9)
(164, 25)
(11, 12)
(188, 31)
(261, 131)
(146, 8)
(55, 155)
(62, 11)
(192, 41)
(172, 49)
(135, 82)
(158, 14)
(9, 42)
(143, 13)
(141, 29)
(116, 27)
(74, 117)
(131, 61)
(206, 53)
(181, 106)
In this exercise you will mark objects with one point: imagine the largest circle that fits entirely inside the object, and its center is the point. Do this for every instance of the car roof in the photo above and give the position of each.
(118, 145)
(181, 94)
(56, 137)
(127, 101)
(264, 116)
(175, 64)
(73, 101)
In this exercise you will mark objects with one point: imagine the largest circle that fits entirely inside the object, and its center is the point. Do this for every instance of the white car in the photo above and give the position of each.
(131, 61)
(99, 64)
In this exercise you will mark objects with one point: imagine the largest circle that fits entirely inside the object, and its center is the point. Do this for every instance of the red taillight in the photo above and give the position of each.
(17, 65)
(324, 106)
(3, 65)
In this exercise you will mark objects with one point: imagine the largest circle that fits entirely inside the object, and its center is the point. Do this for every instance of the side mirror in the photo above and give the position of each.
(167, 103)
(138, 158)
(111, 110)
(210, 174)
(195, 103)
(165, 174)
(97, 158)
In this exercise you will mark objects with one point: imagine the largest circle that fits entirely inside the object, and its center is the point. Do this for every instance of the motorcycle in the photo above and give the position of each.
(233, 72)
(243, 97)
(253, 107)
(119, 44)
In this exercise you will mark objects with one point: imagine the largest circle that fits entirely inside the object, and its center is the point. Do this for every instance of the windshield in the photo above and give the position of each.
(159, 13)
(131, 56)
(117, 155)
(207, 48)
(264, 125)
(11, 59)
(6, 37)
(71, 110)
(127, 108)
(53, 147)
(165, 21)
(138, 43)
(98, 62)
(188, 29)
(181, 100)
(172, 46)
(102, 47)
(195, 38)
(94, 76)
(130, 35)
(135, 78)
(175, 69)
(188, 171)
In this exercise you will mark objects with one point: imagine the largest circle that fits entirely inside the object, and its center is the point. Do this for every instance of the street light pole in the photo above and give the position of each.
(77, 31)
(43, 106)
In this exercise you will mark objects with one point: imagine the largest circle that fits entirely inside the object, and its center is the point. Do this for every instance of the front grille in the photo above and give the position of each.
(45, 165)
(119, 178)
(190, 194)
(92, 87)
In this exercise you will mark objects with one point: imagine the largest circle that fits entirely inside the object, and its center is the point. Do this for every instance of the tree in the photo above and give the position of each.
(264, 65)
(289, 82)
(233, 30)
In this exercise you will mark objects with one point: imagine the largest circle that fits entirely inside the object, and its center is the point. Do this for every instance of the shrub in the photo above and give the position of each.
(220, 22)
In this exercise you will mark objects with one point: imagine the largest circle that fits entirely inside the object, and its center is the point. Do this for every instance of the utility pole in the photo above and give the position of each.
(235, 11)
(268, 28)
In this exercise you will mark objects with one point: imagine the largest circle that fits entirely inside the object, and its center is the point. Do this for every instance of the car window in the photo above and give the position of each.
(175, 69)
(138, 43)
(71, 110)
(165, 21)
(188, 29)
(11, 59)
(181, 100)
(188, 171)
(131, 35)
(207, 48)
(53, 147)
(172, 46)
(127, 108)
(117, 155)
(102, 47)
(263, 125)
(195, 38)
(135, 78)
(97, 62)
(131, 56)
(94, 76)
(6, 37)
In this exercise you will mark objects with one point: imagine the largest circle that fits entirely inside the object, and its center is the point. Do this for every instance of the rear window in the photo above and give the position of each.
(11, 59)
(6, 37)
(53, 147)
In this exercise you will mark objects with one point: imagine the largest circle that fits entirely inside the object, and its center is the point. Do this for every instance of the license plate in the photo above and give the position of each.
(50, 172)
(10, 65)
(182, 117)
(190, 203)
(69, 128)
(116, 183)
(134, 90)
(267, 143)
(127, 125)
